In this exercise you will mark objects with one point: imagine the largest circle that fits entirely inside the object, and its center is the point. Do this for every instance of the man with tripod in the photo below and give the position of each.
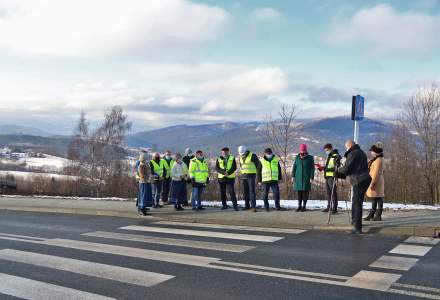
(332, 163)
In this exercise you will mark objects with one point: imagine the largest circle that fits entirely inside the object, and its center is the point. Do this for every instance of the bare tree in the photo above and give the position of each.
(422, 114)
(280, 133)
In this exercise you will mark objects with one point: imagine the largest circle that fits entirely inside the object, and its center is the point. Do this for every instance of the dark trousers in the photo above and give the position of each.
(227, 186)
(157, 189)
(303, 196)
(166, 189)
(357, 204)
(250, 199)
(329, 181)
(376, 203)
(178, 192)
(275, 191)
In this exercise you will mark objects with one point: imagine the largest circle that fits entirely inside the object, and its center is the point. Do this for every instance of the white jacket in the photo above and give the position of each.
(178, 171)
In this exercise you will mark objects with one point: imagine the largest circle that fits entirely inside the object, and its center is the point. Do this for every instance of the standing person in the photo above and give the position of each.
(226, 167)
(303, 173)
(179, 176)
(376, 190)
(356, 168)
(187, 159)
(270, 175)
(158, 171)
(166, 184)
(199, 174)
(145, 198)
(333, 161)
(136, 168)
(250, 166)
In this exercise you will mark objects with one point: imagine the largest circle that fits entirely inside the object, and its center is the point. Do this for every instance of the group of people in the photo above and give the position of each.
(174, 179)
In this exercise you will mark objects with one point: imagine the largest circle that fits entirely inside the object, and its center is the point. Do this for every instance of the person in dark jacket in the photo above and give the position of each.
(333, 161)
(249, 168)
(270, 175)
(188, 188)
(303, 173)
(226, 167)
(356, 169)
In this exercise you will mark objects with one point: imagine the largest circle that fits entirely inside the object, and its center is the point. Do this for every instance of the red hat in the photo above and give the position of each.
(303, 148)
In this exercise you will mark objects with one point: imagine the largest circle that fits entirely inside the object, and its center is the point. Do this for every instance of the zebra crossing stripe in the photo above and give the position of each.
(210, 234)
(37, 290)
(130, 276)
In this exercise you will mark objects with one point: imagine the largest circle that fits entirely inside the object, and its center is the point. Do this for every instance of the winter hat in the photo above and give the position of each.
(268, 151)
(188, 152)
(376, 149)
(242, 150)
(303, 148)
(379, 145)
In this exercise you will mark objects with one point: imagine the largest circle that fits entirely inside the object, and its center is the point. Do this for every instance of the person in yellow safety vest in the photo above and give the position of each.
(270, 175)
(333, 160)
(226, 167)
(250, 166)
(199, 174)
(168, 162)
(158, 172)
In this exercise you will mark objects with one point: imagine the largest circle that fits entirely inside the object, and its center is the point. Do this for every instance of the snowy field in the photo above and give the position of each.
(33, 175)
(49, 162)
(289, 204)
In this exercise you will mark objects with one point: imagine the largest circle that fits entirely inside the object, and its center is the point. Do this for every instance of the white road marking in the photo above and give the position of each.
(37, 290)
(373, 280)
(414, 294)
(212, 234)
(233, 227)
(422, 240)
(170, 241)
(130, 276)
(394, 263)
(414, 250)
(417, 287)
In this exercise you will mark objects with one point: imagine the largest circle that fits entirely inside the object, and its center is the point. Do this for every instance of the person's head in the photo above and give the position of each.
(178, 157)
(328, 148)
(199, 154)
(188, 152)
(156, 155)
(349, 144)
(303, 149)
(168, 154)
(143, 157)
(375, 150)
(268, 153)
(242, 150)
(225, 151)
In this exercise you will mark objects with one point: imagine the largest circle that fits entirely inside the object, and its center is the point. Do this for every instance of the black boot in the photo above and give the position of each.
(304, 206)
(299, 206)
(378, 216)
(370, 215)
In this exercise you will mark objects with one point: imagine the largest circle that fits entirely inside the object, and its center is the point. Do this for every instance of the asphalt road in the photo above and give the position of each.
(55, 256)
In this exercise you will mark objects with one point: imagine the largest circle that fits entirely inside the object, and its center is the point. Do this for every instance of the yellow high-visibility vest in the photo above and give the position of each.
(269, 169)
(221, 163)
(247, 166)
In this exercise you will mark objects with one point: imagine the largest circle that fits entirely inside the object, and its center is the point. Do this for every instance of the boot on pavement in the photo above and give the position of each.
(370, 215)
(378, 216)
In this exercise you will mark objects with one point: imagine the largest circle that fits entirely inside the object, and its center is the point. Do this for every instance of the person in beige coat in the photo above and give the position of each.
(376, 191)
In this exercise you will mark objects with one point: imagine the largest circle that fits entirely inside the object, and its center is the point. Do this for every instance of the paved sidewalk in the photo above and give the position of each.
(418, 223)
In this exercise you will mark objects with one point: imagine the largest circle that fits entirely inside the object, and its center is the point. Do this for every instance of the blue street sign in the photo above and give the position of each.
(357, 108)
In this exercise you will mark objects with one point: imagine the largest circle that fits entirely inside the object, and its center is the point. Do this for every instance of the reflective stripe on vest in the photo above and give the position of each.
(330, 168)
(247, 166)
(269, 171)
(221, 163)
(158, 167)
(199, 170)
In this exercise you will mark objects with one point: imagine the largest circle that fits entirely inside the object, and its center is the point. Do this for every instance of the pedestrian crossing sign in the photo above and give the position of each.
(357, 108)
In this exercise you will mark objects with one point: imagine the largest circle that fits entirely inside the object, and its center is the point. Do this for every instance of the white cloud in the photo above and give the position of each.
(99, 27)
(381, 29)
(266, 15)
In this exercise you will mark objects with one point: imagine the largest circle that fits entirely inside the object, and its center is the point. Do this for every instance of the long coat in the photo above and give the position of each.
(303, 171)
(376, 173)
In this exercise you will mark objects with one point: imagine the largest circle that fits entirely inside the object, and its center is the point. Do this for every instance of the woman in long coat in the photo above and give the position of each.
(303, 173)
(145, 194)
(376, 190)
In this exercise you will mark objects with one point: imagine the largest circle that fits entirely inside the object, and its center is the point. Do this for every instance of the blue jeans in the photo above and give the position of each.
(157, 189)
(275, 191)
(249, 191)
(145, 198)
(196, 196)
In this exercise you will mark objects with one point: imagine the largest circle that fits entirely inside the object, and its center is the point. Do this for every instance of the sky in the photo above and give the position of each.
(169, 62)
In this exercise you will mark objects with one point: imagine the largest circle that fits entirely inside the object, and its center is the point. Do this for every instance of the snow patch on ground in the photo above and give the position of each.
(33, 175)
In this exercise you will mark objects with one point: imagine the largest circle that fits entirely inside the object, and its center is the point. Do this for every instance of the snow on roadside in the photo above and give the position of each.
(289, 204)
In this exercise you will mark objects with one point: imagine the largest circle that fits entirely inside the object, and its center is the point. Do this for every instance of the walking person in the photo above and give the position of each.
(333, 161)
(356, 169)
(376, 190)
(270, 176)
(250, 166)
(199, 174)
(188, 188)
(179, 175)
(303, 173)
(145, 198)
(226, 166)
(158, 171)
(168, 162)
